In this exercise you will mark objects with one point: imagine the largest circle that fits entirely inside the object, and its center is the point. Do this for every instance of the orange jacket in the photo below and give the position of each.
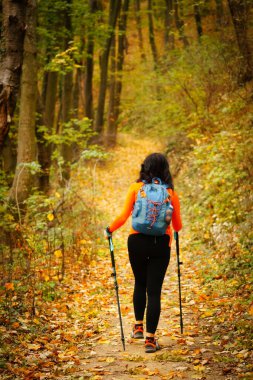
(129, 205)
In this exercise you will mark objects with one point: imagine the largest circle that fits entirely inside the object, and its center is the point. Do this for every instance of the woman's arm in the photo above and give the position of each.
(127, 209)
(176, 217)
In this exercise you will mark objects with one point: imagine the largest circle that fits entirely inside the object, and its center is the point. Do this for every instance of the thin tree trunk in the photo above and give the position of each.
(67, 99)
(112, 94)
(180, 24)
(137, 7)
(113, 116)
(113, 15)
(169, 41)
(197, 16)
(23, 180)
(67, 108)
(95, 6)
(48, 113)
(219, 13)
(12, 43)
(152, 33)
(240, 11)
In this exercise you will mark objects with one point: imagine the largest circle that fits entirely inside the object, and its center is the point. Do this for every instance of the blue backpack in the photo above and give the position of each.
(153, 209)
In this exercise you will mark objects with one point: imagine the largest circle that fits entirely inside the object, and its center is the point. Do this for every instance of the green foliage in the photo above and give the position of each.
(184, 92)
(74, 131)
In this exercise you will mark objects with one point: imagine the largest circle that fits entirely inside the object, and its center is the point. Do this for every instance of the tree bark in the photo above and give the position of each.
(197, 16)
(115, 110)
(66, 113)
(113, 15)
(169, 41)
(137, 7)
(110, 138)
(12, 44)
(48, 112)
(152, 33)
(180, 24)
(219, 13)
(23, 180)
(240, 11)
(95, 5)
(67, 98)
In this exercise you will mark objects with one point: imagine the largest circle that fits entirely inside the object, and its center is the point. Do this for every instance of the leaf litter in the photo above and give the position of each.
(78, 336)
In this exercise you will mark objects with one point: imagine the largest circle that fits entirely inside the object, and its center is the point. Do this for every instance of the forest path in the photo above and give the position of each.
(78, 335)
(191, 356)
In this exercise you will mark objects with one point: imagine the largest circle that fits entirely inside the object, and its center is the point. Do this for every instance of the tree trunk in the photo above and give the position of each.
(112, 95)
(12, 43)
(114, 115)
(48, 112)
(67, 108)
(240, 11)
(95, 5)
(67, 97)
(197, 16)
(113, 15)
(219, 13)
(169, 41)
(137, 7)
(152, 33)
(23, 180)
(180, 24)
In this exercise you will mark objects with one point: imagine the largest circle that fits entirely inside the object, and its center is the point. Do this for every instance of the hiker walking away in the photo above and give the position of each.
(149, 252)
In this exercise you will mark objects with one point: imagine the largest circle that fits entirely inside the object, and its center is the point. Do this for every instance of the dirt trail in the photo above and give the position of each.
(191, 356)
(78, 335)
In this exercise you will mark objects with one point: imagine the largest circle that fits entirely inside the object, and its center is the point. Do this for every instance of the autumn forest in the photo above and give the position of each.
(89, 88)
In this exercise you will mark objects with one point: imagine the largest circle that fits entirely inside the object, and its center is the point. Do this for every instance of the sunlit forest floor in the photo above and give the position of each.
(78, 336)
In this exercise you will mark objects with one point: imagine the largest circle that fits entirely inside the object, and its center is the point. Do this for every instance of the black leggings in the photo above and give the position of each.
(149, 257)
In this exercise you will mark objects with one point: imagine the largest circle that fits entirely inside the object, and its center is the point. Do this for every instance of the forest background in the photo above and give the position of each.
(75, 76)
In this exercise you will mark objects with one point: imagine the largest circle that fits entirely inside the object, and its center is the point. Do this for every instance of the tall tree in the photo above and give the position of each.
(23, 180)
(168, 33)
(180, 23)
(114, 8)
(95, 6)
(114, 110)
(197, 16)
(219, 13)
(47, 111)
(240, 12)
(12, 41)
(152, 33)
(137, 8)
(67, 95)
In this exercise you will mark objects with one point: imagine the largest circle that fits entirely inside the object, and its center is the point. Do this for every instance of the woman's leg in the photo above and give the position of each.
(138, 260)
(157, 265)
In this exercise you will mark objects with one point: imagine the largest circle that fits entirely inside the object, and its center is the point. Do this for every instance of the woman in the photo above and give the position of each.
(149, 255)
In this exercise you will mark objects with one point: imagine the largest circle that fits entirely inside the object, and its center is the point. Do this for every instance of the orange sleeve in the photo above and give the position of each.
(176, 217)
(127, 209)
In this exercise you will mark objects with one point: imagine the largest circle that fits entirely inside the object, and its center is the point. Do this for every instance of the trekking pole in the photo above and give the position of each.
(179, 280)
(109, 236)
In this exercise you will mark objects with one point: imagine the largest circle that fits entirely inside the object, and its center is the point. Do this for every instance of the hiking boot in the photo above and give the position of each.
(137, 332)
(151, 345)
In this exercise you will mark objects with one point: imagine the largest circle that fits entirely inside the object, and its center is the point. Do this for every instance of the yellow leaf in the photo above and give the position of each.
(46, 277)
(58, 253)
(199, 368)
(50, 217)
(251, 309)
(36, 321)
(110, 359)
(57, 195)
(33, 346)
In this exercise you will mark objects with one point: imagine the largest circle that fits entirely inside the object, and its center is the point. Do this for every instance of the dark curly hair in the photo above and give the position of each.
(156, 165)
